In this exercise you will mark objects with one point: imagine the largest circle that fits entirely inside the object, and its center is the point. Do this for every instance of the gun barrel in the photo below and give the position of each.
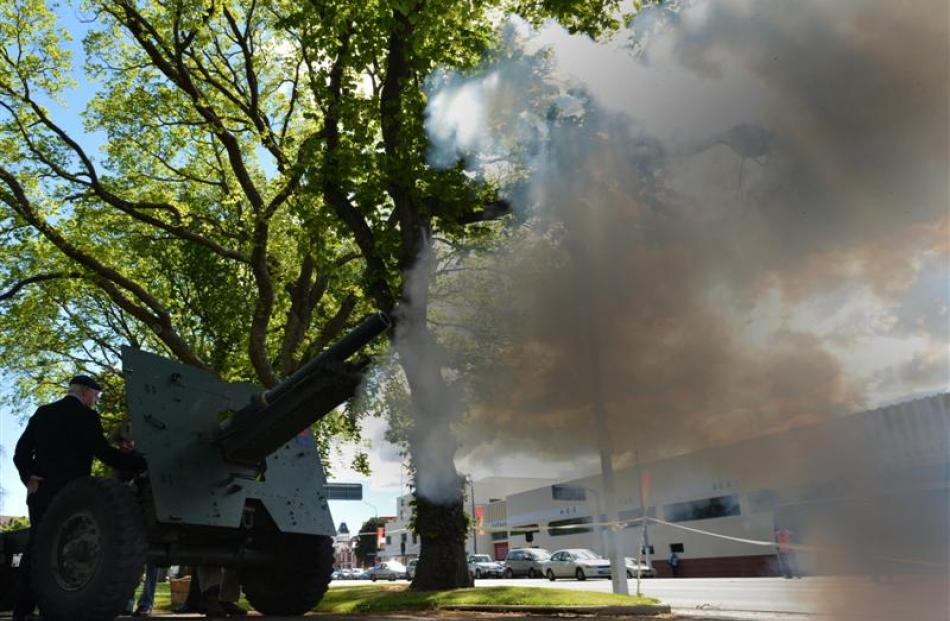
(275, 416)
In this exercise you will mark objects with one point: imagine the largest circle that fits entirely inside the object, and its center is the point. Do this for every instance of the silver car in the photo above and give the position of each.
(411, 568)
(526, 562)
(482, 566)
(579, 563)
(645, 570)
(387, 570)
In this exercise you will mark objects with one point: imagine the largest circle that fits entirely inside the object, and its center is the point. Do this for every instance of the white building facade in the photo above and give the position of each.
(873, 484)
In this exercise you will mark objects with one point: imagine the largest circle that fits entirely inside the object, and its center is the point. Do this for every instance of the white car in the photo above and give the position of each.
(482, 566)
(645, 570)
(579, 563)
(387, 570)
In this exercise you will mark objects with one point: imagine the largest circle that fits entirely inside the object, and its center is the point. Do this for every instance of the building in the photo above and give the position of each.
(401, 544)
(857, 491)
(343, 554)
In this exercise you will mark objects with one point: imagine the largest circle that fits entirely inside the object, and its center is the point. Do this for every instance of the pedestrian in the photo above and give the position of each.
(220, 592)
(57, 447)
(192, 601)
(785, 554)
(675, 564)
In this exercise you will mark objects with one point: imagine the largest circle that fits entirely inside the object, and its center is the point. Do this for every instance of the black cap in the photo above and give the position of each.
(85, 380)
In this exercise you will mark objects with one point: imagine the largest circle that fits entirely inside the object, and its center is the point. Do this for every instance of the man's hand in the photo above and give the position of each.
(32, 485)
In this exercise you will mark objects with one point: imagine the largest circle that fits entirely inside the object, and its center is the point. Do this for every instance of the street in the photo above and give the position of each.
(745, 594)
(768, 599)
(911, 598)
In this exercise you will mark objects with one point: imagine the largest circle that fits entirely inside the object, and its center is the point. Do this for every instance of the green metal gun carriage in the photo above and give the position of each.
(234, 479)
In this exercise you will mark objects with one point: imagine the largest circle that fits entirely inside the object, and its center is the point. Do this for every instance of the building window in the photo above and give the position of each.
(568, 492)
(556, 528)
(677, 547)
(499, 536)
(414, 539)
(389, 540)
(705, 509)
(524, 529)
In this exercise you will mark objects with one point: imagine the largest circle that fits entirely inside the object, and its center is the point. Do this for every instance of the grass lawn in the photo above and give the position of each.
(396, 597)
(163, 596)
(391, 598)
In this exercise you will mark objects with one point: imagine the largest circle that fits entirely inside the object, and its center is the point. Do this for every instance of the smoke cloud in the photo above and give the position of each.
(732, 221)
(729, 214)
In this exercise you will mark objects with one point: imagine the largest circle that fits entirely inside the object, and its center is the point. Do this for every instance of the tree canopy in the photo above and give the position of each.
(251, 178)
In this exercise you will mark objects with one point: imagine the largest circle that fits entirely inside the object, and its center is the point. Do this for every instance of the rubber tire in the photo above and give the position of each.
(118, 517)
(296, 581)
(508, 573)
(550, 575)
(630, 575)
(580, 575)
(531, 573)
(373, 578)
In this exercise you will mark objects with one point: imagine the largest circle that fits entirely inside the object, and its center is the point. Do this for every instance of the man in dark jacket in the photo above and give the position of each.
(58, 446)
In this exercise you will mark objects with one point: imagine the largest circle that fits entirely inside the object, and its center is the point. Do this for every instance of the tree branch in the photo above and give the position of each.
(153, 314)
(336, 197)
(17, 286)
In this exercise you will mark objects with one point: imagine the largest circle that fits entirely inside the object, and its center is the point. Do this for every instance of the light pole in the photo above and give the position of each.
(644, 535)
(373, 507)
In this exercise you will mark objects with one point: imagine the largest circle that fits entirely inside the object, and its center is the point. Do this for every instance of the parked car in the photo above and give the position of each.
(336, 575)
(411, 568)
(579, 563)
(482, 566)
(387, 570)
(526, 562)
(358, 573)
(645, 570)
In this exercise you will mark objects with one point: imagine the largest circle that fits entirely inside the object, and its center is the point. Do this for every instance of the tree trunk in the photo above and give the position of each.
(440, 518)
(442, 529)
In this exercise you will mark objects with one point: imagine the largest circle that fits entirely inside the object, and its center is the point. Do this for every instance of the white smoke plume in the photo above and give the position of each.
(733, 223)
(750, 211)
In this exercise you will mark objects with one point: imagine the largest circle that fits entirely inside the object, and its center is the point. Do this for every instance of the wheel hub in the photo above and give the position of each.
(77, 551)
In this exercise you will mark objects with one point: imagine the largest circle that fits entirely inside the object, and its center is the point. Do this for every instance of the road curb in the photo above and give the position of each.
(643, 610)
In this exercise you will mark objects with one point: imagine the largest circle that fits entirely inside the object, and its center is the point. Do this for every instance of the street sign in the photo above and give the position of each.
(344, 491)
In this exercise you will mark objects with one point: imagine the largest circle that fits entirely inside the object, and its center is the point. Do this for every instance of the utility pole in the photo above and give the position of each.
(618, 570)
(585, 275)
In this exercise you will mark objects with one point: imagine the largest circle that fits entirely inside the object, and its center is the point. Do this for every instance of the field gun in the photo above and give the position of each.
(234, 479)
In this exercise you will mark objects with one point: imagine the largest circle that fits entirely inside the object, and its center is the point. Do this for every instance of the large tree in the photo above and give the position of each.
(251, 177)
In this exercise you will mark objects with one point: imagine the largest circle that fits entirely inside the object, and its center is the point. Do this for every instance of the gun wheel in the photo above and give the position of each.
(296, 581)
(89, 551)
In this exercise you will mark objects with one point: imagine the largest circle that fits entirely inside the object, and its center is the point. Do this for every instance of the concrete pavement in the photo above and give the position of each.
(907, 598)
